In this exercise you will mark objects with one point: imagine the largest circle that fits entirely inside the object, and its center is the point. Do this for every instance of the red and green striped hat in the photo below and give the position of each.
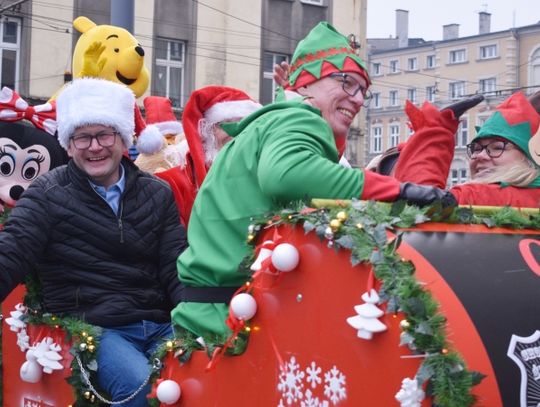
(322, 52)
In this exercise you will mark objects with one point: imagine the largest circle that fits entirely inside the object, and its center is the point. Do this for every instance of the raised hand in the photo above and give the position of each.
(281, 74)
(92, 64)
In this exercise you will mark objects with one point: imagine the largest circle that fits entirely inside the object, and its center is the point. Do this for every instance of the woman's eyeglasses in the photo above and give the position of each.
(494, 149)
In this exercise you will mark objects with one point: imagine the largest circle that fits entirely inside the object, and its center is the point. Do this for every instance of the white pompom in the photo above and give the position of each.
(150, 141)
(285, 257)
(243, 306)
(168, 392)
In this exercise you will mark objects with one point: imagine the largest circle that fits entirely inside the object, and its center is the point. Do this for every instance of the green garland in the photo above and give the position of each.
(360, 227)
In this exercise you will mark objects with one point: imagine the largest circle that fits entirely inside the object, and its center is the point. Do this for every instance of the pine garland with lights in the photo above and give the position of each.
(360, 227)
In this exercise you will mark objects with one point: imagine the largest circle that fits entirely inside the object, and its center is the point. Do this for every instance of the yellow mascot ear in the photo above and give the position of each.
(83, 24)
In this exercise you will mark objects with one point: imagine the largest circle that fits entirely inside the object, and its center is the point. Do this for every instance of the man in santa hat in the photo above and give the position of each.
(286, 151)
(205, 110)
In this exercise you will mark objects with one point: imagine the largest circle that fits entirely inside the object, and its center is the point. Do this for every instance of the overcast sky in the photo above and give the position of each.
(426, 17)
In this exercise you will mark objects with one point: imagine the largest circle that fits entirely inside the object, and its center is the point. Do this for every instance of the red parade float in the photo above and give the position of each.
(306, 347)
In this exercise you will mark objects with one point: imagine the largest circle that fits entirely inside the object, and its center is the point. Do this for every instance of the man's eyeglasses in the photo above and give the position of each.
(494, 149)
(104, 139)
(351, 87)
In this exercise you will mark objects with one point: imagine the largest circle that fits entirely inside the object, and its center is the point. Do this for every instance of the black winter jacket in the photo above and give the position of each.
(108, 270)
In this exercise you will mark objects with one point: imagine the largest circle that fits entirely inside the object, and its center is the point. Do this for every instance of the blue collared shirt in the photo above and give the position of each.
(112, 194)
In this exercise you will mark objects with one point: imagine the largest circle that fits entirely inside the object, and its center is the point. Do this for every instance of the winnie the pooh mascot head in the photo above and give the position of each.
(111, 53)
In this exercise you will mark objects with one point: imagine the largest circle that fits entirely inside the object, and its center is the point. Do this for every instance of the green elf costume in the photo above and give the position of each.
(427, 156)
(283, 152)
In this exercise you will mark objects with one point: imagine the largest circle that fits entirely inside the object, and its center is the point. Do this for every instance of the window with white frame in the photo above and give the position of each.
(394, 66)
(412, 64)
(10, 42)
(458, 176)
(411, 94)
(488, 51)
(430, 61)
(457, 89)
(430, 93)
(376, 70)
(457, 56)
(376, 139)
(269, 86)
(393, 98)
(488, 85)
(168, 73)
(394, 135)
(376, 100)
(462, 133)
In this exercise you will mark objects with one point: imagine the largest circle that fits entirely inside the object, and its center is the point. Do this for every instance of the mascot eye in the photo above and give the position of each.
(31, 168)
(117, 50)
(7, 164)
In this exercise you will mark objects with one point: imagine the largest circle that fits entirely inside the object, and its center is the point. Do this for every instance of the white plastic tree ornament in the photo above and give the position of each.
(168, 392)
(367, 322)
(410, 394)
(243, 306)
(285, 257)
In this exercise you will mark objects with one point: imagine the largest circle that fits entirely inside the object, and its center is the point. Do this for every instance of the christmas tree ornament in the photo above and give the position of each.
(335, 225)
(91, 348)
(410, 395)
(359, 226)
(31, 371)
(83, 346)
(366, 322)
(285, 257)
(243, 306)
(328, 233)
(265, 252)
(168, 392)
(341, 216)
(404, 324)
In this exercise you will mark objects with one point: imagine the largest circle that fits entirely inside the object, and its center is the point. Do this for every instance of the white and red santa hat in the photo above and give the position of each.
(214, 104)
(91, 101)
(160, 121)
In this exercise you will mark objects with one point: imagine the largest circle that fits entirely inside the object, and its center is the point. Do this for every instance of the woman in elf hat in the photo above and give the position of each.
(288, 150)
(502, 169)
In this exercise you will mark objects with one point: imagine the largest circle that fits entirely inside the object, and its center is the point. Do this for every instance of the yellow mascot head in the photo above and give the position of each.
(111, 53)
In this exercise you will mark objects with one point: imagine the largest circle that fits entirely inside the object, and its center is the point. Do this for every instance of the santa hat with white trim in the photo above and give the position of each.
(91, 101)
(213, 104)
(160, 121)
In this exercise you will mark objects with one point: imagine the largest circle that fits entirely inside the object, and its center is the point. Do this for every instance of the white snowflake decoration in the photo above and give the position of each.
(366, 322)
(23, 340)
(16, 322)
(313, 373)
(334, 387)
(290, 382)
(410, 395)
(305, 388)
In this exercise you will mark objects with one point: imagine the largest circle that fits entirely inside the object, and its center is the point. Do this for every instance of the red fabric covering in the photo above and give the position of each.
(426, 157)
(379, 187)
(182, 182)
(494, 195)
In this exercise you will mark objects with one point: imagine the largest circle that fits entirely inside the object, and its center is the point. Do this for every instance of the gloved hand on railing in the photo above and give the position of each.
(423, 195)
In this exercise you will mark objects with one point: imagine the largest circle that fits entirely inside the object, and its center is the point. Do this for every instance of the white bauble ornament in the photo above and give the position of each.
(285, 257)
(168, 392)
(243, 306)
(31, 370)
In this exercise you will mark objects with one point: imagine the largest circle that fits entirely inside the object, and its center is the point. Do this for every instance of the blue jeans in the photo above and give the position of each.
(123, 359)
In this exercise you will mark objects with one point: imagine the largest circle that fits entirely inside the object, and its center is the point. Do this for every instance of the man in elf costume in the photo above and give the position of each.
(502, 169)
(283, 152)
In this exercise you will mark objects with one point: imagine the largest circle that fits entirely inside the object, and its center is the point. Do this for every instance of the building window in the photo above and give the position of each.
(314, 2)
(168, 74)
(376, 102)
(430, 93)
(457, 89)
(393, 98)
(411, 95)
(457, 56)
(488, 51)
(394, 66)
(394, 135)
(10, 29)
(412, 64)
(376, 70)
(268, 93)
(488, 85)
(458, 176)
(430, 61)
(462, 134)
(376, 139)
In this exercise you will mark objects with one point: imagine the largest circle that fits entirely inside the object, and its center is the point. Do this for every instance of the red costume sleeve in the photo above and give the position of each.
(426, 157)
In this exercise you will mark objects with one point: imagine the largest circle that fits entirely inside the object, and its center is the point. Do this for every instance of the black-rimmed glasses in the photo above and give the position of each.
(351, 87)
(104, 139)
(494, 149)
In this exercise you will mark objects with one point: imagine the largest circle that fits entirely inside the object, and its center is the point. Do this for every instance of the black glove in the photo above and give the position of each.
(422, 195)
(463, 105)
